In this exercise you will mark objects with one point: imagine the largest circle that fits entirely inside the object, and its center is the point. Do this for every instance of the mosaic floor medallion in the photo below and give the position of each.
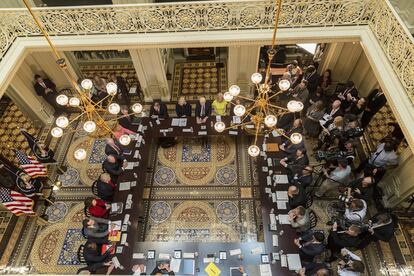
(160, 211)
(57, 211)
(227, 211)
(164, 176)
(226, 175)
(69, 178)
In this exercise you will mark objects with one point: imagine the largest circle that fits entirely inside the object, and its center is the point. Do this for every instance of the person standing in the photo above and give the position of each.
(376, 100)
(122, 85)
(47, 89)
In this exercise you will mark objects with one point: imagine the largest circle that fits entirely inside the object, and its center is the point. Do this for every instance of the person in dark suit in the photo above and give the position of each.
(114, 166)
(303, 179)
(296, 162)
(122, 85)
(331, 113)
(349, 238)
(106, 187)
(158, 109)
(375, 101)
(47, 89)
(182, 108)
(92, 253)
(296, 196)
(162, 268)
(285, 121)
(310, 244)
(382, 227)
(126, 121)
(348, 95)
(202, 110)
(312, 77)
(113, 148)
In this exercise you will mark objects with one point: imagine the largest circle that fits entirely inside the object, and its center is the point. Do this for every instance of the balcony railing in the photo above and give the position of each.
(219, 16)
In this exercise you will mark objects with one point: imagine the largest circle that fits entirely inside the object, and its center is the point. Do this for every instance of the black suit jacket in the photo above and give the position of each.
(207, 110)
(114, 169)
(313, 81)
(375, 103)
(93, 256)
(298, 200)
(40, 90)
(302, 180)
(163, 113)
(112, 151)
(184, 110)
(105, 191)
(126, 122)
(384, 233)
(337, 241)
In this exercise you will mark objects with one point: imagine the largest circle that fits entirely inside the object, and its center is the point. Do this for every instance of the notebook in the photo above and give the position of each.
(294, 261)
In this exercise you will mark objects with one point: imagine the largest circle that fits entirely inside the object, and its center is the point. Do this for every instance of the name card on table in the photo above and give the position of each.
(136, 154)
(272, 218)
(269, 162)
(257, 250)
(268, 190)
(283, 219)
(233, 132)
(133, 183)
(188, 255)
(275, 240)
(294, 261)
(281, 204)
(164, 256)
(250, 126)
(140, 128)
(264, 147)
(274, 197)
(202, 133)
(265, 169)
(234, 252)
(124, 238)
(269, 180)
(124, 186)
(188, 130)
(138, 256)
(281, 179)
(203, 127)
(119, 249)
(236, 120)
(282, 195)
(283, 261)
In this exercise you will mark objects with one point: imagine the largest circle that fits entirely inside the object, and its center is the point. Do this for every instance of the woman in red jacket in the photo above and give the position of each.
(97, 207)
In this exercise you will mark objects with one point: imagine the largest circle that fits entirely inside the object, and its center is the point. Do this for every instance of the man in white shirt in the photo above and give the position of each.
(384, 156)
(356, 210)
(336, 178)
(353, 267)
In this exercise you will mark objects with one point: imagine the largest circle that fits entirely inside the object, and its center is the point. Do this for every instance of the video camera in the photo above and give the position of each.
(354, 132)
(328, 156)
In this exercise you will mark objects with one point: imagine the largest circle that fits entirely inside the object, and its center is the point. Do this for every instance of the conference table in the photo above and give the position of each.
(159, 128)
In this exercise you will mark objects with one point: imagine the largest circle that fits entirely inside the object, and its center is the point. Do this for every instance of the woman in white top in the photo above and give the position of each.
(350, 265)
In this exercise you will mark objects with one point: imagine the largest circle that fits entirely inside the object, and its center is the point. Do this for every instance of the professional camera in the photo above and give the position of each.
(345, 199)
(328, 155)
(354, 132)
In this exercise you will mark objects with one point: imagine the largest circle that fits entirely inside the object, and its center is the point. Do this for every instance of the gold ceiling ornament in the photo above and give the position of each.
(262, 111)
(95, 116)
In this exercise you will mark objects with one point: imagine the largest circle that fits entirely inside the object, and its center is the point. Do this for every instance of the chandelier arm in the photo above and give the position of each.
(274, 95)
(237, 125)
(257, 133)
(107, 96)
(279, 107)
(77, 117)
(245, 98)
(281, 133)
(119, 117)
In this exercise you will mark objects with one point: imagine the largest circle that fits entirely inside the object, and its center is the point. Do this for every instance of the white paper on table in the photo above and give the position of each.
(283, 261)
(124, 238)
(265, 169)
(138, 256)
(269, 180)
(264, 147)
(275, 133)
(236, 120)
(257, 250)
(265, 270)
(281, 204)
(218, 118)
(281, 179)
(187, 130)
(250, 126)
(208, 260)
(175, 122)
(136, 153)
(235, 252)
(188, 255)
(282, 195)
(183, 122)
(274, 197)
(284, 219)
(124, 186)
(272, 218)
(269, 162)
(133, 183)
(268, 190)
(164, 256)
(130, 166)
(175, 265)
(117, 225)
(233, 132)
(202, 133)
(275, 240)
(294, 261)
(275, 256)
(273, 227)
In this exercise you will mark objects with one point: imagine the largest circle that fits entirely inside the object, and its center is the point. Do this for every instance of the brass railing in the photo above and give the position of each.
(216, 16)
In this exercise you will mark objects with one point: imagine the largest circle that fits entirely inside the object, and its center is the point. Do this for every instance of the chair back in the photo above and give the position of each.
(313, 218)
(81, 257)
(309, 200)
(84, 233)
(95, 188)
(86, 211)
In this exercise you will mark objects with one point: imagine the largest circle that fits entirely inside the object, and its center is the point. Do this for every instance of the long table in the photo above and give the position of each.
(250, 261)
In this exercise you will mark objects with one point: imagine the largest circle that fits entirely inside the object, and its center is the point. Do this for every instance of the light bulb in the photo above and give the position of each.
(294, 106)
(256, 78)
(270, 120)
(296, 138)
(62, 121)
(125, 139)
(253, 151)
(80, 154)
(219, 126)
(87, 84)
(137, 108)
(239, 110)
(227, 97)
(111, 88)
(56, 132)
(89, 126)
(62, 99)
(284, 85)
(114, 108)
(234, 90)
(74, 101)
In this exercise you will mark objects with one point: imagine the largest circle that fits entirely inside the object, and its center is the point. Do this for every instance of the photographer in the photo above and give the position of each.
(331, 135)
(315, 269)
(362, 188)
(339, 239)
(350, 264)
(381, 228)
(337, 177)
(355, 210)
(303, 179)
(383, 156)
(297, 162)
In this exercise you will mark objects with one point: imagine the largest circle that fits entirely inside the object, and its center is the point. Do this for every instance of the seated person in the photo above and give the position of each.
(296, 197)
(125, 122)
(350, 264)
(339, 176)
(28, 186)
(97, 207)
(113, 148)
(303, 179)
(92, 253)
(96, 227)
(202, 110)
(337, 240)
(114, 166)
(299, 219)
(362, 188)
(356, 210)
(331, 113)
(138, 269)
(300, 92)
(311, 244)
(331, 135)
(162, 268)
(289, 148)
(296, 162)
(182, 108)
(315, 269)
(219, 105)
(106, 187)
(158, 110)
(93, 267)
(296, 127)
(285, 121)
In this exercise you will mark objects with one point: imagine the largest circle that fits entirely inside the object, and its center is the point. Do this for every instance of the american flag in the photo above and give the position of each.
(30, 165)
(17, 203)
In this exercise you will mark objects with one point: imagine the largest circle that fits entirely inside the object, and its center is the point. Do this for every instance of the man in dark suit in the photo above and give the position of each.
(163, 268)
(312, 77)
(376, 100)
(303, 179)
(296, 162)
(331, 113)
(296, 196)
(348, 238)
(92, 253)
(310, 245)
(113, 148)
(202, 110)
(114, 166)
(106, 187)
(47, 89)
(348, 95)
(159, 109)
(123, 94)
(182, 108)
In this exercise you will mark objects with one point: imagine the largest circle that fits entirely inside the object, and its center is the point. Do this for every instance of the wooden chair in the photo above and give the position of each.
(81, 258)
(313, 218)
(309, 200)
(95, 188)
(86, 212)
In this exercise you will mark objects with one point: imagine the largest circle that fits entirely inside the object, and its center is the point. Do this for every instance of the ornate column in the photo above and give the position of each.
(397, 185)
(151, 73)
(242, 63)
(331, 56)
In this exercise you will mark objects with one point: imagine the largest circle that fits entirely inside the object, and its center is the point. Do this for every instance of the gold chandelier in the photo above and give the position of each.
(94, 118)
(261, 111)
